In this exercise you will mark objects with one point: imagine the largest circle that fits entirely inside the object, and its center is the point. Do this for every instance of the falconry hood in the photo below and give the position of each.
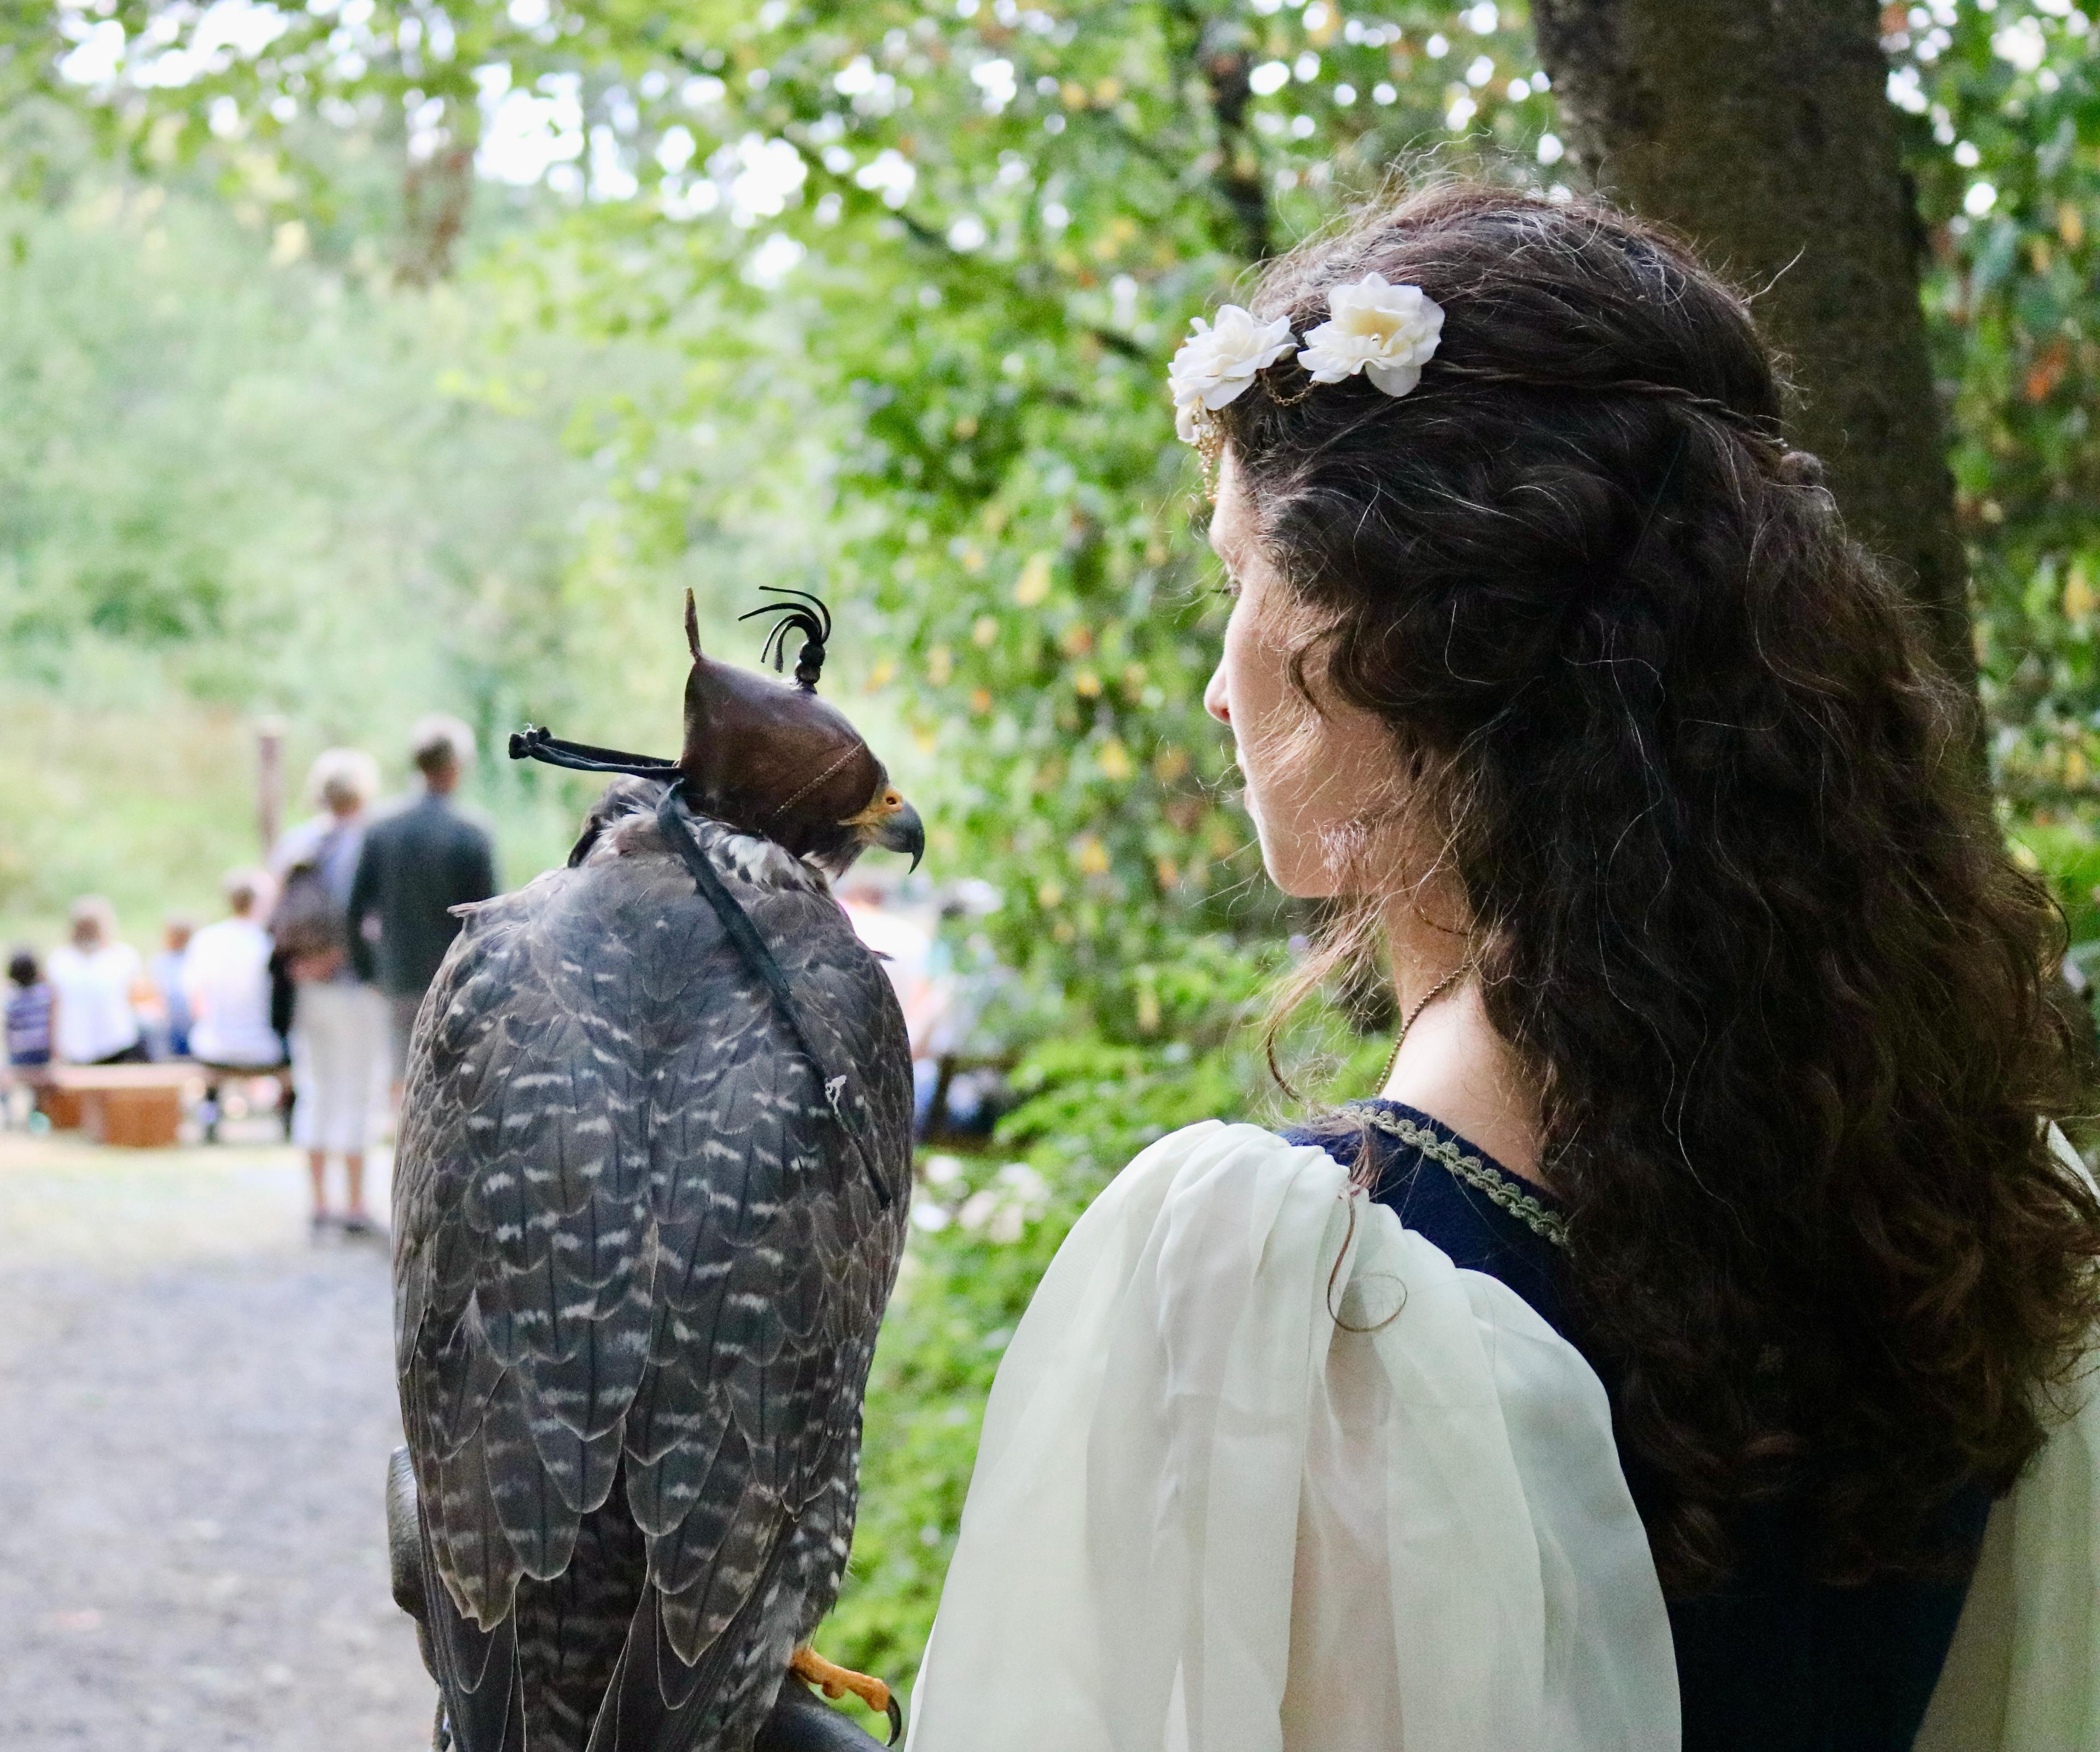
(769, 757)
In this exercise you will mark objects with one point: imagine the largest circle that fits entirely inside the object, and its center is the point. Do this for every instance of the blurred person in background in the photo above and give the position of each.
(226, 980)
(169, 1037)
(906, 948)
(419, 862)
(30, 1003)
(98, 984)
(338, 1023)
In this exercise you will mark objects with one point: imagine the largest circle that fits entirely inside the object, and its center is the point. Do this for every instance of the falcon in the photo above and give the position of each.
(649, 1201)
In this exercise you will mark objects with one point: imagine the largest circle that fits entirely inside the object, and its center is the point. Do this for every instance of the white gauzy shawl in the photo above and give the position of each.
(1208, 1516)
(2024, 1674)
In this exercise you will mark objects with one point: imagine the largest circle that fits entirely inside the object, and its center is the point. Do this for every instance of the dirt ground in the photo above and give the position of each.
(197, 1405)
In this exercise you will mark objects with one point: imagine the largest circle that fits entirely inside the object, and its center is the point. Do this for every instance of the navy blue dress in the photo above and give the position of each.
(1772, 1660)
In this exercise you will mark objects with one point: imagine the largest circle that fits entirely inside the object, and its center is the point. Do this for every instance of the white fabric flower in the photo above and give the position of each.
(1388, 332)
(1216, 363)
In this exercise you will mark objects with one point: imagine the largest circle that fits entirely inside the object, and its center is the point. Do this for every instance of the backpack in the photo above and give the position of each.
(307, 922)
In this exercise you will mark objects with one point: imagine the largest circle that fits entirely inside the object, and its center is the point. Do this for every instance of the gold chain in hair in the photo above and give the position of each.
(1750, 425)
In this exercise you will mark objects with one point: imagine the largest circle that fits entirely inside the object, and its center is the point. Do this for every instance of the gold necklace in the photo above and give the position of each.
(1428, 997)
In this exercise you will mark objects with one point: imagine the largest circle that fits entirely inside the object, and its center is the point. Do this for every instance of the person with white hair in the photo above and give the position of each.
(98, 983)
(338, 1023)
(226, 978)
(419, 862)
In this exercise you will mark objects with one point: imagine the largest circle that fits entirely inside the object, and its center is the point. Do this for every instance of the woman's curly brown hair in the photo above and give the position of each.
(1738, 899)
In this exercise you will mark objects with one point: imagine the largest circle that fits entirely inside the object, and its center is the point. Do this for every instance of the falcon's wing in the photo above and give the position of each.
(626, 1228)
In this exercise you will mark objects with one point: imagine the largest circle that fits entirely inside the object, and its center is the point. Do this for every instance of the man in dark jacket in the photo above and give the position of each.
(417, 864)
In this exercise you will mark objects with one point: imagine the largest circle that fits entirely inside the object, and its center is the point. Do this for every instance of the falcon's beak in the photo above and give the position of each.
(902, 830)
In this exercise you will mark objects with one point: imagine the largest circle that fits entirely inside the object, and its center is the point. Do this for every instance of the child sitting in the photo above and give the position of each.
(29, 1004)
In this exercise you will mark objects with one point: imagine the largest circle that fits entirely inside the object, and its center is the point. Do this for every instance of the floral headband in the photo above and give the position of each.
(1388, 332)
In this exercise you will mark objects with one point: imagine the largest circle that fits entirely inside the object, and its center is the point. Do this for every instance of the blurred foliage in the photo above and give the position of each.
(243, 475)
(910, 274)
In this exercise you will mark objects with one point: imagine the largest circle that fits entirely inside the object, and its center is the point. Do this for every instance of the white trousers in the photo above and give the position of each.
(339, 1064)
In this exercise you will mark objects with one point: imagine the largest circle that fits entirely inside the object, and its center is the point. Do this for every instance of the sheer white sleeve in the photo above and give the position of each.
(1263, 1471)
(2024, 1675)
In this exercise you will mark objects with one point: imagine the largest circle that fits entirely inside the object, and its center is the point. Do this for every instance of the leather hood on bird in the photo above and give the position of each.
(772, 755)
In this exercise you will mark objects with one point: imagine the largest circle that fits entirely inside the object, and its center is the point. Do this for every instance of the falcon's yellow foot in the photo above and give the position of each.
(835, 1681)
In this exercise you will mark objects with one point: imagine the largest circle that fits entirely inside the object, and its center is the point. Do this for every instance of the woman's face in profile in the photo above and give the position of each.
(1314, 776)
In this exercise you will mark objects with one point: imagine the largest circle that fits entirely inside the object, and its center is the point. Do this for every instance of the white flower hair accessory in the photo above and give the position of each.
(1215, 365)
(1388, 332)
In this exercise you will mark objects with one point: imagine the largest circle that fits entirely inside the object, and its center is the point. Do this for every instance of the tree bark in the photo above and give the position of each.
(1761, 129)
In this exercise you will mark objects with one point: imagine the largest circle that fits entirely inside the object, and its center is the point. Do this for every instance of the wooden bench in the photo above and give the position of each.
(138, 1106)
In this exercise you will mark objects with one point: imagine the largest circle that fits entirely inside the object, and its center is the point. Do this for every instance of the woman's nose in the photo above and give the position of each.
(1214, 699)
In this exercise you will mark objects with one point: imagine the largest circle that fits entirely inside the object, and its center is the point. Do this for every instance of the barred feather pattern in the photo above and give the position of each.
(632, 1250)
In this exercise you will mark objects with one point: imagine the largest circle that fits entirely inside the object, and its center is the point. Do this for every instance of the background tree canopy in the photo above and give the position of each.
(307, 416)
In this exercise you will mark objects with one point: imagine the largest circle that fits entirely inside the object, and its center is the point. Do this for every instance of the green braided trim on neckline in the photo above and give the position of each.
(1548, 1225)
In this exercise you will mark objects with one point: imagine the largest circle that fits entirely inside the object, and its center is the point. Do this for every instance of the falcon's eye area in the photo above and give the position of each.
(886, 802)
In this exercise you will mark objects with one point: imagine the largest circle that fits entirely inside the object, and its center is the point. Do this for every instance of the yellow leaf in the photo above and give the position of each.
(1092, 855)
(2078, 597)
(1034, 583)
(1169, 765)
(986, 632)
(940, 665)
(1114, 761)
(1049, 895)
(2070, 225)
(1087, 684)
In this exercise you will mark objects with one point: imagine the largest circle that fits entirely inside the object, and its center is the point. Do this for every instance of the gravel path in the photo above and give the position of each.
(195, 1409)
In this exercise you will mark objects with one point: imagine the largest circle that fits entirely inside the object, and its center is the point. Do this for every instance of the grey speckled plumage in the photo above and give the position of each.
(638, 1277)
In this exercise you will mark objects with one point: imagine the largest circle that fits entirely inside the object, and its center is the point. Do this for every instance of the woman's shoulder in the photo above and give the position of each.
(1216, 1157)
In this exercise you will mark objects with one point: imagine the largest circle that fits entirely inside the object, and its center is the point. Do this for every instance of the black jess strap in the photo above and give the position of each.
(674, 821)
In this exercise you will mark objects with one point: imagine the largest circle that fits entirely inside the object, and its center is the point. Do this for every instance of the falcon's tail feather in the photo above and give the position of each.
(571, 1628)
(476, 1669)
(478, 1672)
(656, 1702)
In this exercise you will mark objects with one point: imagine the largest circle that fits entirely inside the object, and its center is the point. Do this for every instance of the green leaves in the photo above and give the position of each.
(2004, 142)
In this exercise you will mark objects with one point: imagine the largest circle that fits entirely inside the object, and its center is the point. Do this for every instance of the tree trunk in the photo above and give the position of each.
(1761, 129)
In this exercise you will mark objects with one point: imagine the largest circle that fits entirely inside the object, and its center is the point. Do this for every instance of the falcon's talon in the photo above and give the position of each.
(835, 1681)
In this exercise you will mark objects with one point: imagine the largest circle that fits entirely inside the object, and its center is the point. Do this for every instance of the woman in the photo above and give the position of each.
(98, 984)
(1639, 1368)
(338, 1024)
(226, 981)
